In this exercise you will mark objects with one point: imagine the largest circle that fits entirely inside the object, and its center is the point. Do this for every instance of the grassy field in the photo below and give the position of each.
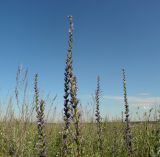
(26, 133)
(18, 138)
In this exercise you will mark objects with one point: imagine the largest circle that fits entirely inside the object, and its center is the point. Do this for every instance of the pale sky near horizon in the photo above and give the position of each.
(108, 36)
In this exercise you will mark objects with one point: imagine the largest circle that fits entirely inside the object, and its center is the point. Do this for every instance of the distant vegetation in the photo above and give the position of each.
(22, 136)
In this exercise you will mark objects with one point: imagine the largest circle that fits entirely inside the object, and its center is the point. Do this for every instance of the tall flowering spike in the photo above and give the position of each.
(36, 91)
(98, 118)
(76, 116)
(67, 90)
(128, 136)
(41, 145)
(69, 55)
(71, 134)
(97, 97)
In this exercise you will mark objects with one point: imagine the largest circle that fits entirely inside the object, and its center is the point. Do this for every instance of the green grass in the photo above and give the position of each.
(19, 139)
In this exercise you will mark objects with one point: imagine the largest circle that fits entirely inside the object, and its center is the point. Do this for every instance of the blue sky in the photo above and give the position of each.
(108, 36)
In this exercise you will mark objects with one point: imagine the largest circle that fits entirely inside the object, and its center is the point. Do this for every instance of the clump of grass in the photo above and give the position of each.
(99, 119)
(128, 136)
(41, 144)
(21, 91)
(122, 116)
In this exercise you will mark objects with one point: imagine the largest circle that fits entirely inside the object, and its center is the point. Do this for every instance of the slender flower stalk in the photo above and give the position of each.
(128, 136)
(76, 116)
(67, 86)
(98, 118)
(71, 134)
(41, 144)
(36, 91)
(122, 116)
(67, 115)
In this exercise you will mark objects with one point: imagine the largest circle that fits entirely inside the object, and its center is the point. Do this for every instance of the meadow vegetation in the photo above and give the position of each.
(28, 133)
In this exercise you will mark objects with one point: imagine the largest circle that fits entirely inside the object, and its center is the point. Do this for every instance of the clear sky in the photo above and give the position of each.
(108, 36)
